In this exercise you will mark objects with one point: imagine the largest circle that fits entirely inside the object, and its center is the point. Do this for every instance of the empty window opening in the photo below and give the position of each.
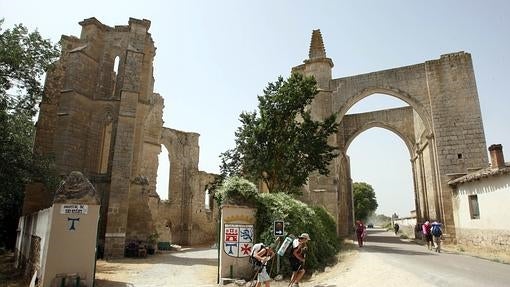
(459, 156)
(115, 74)
(473, 207)
(207, 199)
(163, 177)
(376, 102)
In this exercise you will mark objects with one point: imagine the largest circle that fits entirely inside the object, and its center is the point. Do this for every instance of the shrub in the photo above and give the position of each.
(236, 190)
(298, 217)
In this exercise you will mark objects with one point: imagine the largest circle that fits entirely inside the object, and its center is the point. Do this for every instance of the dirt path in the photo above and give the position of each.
(197, 267)
(189, 267)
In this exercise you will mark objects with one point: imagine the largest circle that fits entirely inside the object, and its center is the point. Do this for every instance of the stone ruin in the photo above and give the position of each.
(100, 116)
(442, 128)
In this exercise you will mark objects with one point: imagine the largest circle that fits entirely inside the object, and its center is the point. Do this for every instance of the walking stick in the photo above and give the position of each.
(253, 282)
(297, 271)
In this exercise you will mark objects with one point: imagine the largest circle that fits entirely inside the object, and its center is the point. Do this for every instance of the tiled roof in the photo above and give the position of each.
(482, 173)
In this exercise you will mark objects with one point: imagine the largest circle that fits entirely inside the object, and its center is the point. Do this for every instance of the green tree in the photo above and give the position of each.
(281, 144)
(24, 57)
(365, 202)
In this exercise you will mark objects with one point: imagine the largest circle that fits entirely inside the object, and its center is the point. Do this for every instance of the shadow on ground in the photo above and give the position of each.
(168, 257)
(106, 283)
(390, 244)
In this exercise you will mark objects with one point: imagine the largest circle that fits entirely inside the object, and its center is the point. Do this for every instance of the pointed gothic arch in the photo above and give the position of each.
(444, 121)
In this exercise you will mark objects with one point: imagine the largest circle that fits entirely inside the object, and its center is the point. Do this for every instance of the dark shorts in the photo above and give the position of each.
(428, 237)
(295, 264)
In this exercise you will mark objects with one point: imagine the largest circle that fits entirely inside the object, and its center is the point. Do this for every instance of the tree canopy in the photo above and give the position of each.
(365, 202)
(281, 144)
(24, 57)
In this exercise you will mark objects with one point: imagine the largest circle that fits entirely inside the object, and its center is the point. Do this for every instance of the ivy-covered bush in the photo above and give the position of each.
(236, 190)
(298, 217)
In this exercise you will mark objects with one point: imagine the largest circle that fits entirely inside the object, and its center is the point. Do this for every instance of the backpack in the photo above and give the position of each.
(426, 229)
(436, 230)
(255, 264)
(290, 250)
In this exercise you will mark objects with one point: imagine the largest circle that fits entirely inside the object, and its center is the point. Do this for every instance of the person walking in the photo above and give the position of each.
(360, 232)
(426, 234)
(262, 254)
(437, 232)
(297, 259)
(396, 227)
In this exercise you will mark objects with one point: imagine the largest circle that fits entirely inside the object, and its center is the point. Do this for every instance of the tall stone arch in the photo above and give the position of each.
(399, 121)
(183, 151)
(447, 132)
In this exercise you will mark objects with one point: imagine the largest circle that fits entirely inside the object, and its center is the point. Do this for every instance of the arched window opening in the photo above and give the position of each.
(106, 139)
(376, 102)
(163, 177)
(115, 74)
(207, 199)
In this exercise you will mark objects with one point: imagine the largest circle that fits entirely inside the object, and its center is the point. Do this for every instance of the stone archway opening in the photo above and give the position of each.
(442, 128)
(376, 102)
(389, 172)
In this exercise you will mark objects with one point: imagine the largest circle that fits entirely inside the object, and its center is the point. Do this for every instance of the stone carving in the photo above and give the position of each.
(76, 189)
(141, 180)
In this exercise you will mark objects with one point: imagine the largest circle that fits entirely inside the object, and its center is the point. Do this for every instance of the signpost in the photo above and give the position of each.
(278, 228)
(278, 231)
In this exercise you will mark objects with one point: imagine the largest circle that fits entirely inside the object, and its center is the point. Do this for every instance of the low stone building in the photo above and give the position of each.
(480, 205)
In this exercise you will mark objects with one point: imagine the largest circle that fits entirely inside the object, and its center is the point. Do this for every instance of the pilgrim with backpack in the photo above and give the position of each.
(259, 256)
(437, 232)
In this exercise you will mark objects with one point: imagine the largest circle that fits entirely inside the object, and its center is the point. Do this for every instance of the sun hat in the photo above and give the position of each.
(305, 236)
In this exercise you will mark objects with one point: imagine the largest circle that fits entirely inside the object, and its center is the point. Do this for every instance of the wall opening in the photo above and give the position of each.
(380, 158)
(207, 200)
(163, 177)
(474, 210)
(376, 102)
(116, 64)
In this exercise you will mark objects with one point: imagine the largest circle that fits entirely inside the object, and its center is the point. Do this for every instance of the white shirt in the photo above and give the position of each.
(295, 243)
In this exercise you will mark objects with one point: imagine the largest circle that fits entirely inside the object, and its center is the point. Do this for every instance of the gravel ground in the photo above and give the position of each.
(197, 267)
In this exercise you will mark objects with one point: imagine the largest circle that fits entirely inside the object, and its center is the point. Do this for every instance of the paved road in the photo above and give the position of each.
(437, 269)
(384, 261)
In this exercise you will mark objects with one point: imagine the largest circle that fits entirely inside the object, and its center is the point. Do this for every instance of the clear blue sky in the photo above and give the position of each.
(214, 57)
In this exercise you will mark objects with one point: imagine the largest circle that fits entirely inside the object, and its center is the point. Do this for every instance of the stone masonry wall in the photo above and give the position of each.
(446, 122)
(101, 116)
(489, 240)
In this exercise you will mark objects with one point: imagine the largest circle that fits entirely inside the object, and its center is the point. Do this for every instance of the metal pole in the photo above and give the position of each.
(277, 264)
